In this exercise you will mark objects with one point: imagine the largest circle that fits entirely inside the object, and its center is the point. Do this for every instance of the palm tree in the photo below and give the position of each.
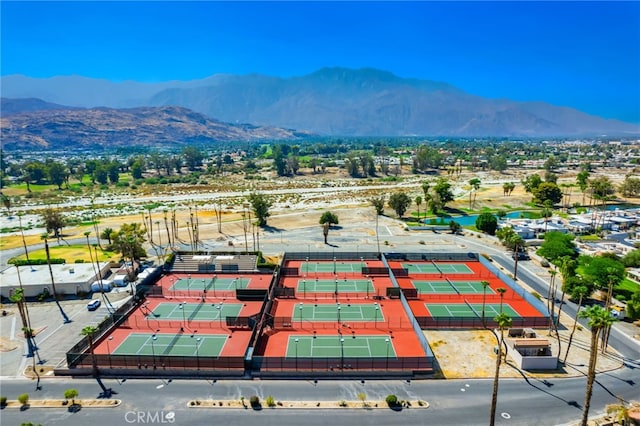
(504, 321)
(89, 331)
(620, 411)
(501, 291)
(580, 292)
(18, 298)
(53, 283)
(598, 319)
(485, 284)
(418, 202)
(475, 186)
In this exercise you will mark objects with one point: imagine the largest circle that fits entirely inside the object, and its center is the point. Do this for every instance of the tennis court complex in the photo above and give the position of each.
(210, 284)
(331, 286)
(209, 345)
(195, 311)
(337, 312)
(450, 287)
(458, 310)
(379, 346)
(331, 267)
(437, 268)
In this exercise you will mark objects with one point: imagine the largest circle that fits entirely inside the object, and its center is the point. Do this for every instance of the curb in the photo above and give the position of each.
(235, 404)
(58, 403)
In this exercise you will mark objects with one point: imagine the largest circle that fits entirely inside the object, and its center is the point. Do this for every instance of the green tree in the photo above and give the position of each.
(557, 245)
(329, 217)
(498, 163)
(100, 175)
(631, 259)
(137, 168)
(58, 173)
(399, 202)
(89, 331)
(427, 158)
(486, 222)
(54, 221)
(547, 191)
(598, 319)
(582, 179)
(579, 292)
(71, 394)
(113, 171)
(475, 186)
(443, 189)
(603, 271)
(504, 321)
(192, 157)
(532, 182)
(633, 306)
(454, 227)
(378, 204)
(630, 187)
(418, 202)
(128, 241)
(260, 205)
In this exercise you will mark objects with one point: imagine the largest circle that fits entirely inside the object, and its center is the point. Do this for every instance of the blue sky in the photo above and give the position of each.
(584, 55)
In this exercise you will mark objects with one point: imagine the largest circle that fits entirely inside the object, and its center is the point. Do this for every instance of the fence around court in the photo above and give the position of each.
(393, 323)
(528, 297)
(341, 364)
(475, 322)
(431, 257)
(112, 321)
(338, 255)
(160, 362)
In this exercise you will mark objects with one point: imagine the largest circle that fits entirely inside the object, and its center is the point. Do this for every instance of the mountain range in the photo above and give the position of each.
(330, 101)
(35, 124)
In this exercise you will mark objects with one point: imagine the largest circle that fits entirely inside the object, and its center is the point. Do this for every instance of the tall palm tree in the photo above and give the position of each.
(598, 319)
(418, 202)
(18, 298)
(475, 186)
(580, 292)
(485, 284)
(504, 321)
(551, 298)
(89, 331)
(53, 283)
(501, 291)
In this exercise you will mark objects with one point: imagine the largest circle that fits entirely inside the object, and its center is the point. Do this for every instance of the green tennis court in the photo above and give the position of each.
(331, 286)
(195, 311)
(211, 283)
(209, 345)
(378, 346)
(449, 287)
(463, 310)
(337, 312)
(333, 267)
(437, 268)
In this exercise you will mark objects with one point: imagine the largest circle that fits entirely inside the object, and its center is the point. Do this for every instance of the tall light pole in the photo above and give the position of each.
(376, 317)
(300, 308)
(153, 349)
(342, 353)
(197, 352)
(387, 342)
(296, 353)
(338, 314)
(109, 349)
(189, 285)
(304, 288)
(183, 307)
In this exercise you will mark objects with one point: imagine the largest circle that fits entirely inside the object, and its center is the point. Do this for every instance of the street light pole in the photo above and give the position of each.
(189, 285)
(296, 353)
(338, 314)
(376, 317)
(184, 319)
(387, 341)
(300, 308)
(109, 349)
(342, 353)
(153, 349)
(197, 352)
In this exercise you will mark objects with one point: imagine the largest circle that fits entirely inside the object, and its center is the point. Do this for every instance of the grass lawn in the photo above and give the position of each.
(70, 253)
(626, 288)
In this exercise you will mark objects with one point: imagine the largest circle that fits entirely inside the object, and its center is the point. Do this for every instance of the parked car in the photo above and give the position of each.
(93, 305)
(521, 256)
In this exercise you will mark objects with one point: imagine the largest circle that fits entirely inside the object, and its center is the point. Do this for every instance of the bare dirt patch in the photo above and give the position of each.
(7, 344)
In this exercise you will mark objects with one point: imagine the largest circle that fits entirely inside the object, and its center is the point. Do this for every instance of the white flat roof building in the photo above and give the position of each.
(72, 278)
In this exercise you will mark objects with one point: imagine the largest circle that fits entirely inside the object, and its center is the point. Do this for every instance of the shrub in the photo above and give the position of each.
(3, 401)
(23, 398)
(392, 400)
(270, 401)
(71, 394)
(342, 403)
(254, 401)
